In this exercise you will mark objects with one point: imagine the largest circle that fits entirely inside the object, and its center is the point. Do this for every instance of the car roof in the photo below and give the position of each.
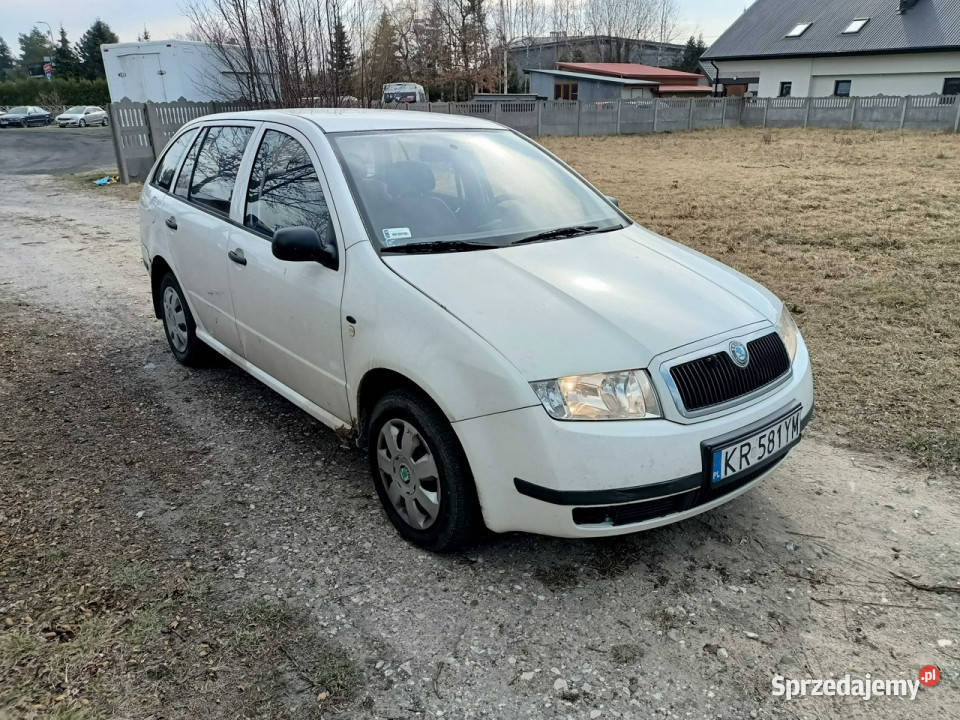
(333, 120)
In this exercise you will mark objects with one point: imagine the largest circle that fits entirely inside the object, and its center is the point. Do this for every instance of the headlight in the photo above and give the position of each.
(789, 332)
(625, 395)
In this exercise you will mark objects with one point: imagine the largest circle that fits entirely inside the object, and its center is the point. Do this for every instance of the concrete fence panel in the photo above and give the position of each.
(754, 112)
(132, 141)
(831, 112)
(931, 112)
(786, 112)
(559, 117)
(636, 116)
(879, 113)
(598, 118)
(708, 113)
(521, 116)
(141, 130)
(672, 114)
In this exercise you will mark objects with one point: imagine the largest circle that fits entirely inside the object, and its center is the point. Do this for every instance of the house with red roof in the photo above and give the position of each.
(614, 81)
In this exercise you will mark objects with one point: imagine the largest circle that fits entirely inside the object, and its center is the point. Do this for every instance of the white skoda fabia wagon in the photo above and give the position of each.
(510, 348)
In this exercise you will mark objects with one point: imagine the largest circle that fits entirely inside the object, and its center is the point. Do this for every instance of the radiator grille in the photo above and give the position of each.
(715, 379)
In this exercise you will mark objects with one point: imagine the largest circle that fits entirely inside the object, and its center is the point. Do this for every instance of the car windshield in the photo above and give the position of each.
(18, 110)
(448, 190)
(78, 110)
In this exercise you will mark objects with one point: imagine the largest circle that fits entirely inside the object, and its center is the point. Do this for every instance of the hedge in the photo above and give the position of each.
(59, 91)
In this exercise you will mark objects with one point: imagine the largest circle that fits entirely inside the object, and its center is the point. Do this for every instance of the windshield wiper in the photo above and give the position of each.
(565, 232)
(436, 246)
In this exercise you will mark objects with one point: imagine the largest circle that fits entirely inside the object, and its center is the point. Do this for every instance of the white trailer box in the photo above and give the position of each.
(167, 70)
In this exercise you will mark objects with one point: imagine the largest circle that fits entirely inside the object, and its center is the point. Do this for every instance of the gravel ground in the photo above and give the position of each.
(176, 542)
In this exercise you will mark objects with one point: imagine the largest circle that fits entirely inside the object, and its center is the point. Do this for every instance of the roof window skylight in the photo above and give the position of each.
(798, 30)
(856, 26)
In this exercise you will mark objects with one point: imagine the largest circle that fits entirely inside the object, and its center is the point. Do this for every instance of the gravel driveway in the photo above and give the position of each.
(840, 562)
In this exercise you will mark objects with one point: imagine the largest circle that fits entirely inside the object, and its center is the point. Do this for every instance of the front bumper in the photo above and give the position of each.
(590, 479)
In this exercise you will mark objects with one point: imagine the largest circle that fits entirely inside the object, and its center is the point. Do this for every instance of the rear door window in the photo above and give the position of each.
(168, 166)
(284, 189)
(215, 172)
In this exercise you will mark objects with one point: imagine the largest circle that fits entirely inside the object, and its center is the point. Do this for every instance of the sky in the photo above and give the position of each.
(165, 19)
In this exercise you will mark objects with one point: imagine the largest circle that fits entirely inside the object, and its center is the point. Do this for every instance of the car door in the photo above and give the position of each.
(288, 313)
(154, 201)
(197, 220)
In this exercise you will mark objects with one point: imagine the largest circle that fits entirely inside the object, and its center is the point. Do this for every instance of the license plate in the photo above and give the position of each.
(752, 450)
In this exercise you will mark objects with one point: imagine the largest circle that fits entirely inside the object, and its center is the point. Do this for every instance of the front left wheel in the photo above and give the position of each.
(421, 473)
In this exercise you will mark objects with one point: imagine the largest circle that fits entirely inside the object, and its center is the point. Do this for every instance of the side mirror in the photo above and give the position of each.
(303, 244)
(612, 200)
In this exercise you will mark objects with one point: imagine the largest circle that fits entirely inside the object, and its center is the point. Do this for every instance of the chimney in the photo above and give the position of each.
(906, 5)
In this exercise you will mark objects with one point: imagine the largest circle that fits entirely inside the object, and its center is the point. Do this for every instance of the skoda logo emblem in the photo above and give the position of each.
(739, 353)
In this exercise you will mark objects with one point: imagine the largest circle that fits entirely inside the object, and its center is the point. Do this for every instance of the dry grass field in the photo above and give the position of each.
(858, 231)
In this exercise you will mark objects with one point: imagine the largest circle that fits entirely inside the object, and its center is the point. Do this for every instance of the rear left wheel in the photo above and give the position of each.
(421, 473)
(179, 325)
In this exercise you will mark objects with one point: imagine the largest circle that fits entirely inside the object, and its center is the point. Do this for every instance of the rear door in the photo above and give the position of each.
(198, 225)
(155, 202)
(288, 313)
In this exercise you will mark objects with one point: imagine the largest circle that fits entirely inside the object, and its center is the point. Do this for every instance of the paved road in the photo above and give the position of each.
(53, 150)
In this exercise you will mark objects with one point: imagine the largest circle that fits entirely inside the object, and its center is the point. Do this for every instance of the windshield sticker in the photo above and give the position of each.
(391, 235)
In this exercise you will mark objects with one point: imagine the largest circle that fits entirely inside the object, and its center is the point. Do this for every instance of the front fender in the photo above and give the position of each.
(396, 327)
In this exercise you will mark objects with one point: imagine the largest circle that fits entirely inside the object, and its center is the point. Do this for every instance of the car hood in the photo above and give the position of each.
(604, 302)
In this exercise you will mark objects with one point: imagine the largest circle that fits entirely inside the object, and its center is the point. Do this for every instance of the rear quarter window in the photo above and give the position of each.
(215, 172)
(171, 159)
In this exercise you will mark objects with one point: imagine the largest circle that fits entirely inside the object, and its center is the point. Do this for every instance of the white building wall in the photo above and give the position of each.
(165, 71)
(908, 74)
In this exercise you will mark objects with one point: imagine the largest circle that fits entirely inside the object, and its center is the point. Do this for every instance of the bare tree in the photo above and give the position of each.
(279, 51)
(667, 19)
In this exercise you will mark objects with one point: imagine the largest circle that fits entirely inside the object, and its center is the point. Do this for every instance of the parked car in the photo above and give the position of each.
(403, 92)
(511, 349)
(24, 116)
(82, 115)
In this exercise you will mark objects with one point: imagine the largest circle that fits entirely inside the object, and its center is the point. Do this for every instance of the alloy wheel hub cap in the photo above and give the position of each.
(409, 474)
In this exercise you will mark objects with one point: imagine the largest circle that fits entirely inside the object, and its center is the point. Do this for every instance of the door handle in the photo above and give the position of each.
(237, 256)
(171, 222)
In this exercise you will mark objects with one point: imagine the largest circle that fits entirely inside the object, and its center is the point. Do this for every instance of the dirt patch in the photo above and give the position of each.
(855, 230)
(103, 615)
(85, 182)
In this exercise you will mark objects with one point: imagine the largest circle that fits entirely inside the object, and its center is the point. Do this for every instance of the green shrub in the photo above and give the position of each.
(59, 91)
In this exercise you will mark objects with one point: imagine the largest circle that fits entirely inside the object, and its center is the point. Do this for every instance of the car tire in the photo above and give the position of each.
(423, 463)
(103, 122)
(24, 123)
(82, 123)
(179, 325)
